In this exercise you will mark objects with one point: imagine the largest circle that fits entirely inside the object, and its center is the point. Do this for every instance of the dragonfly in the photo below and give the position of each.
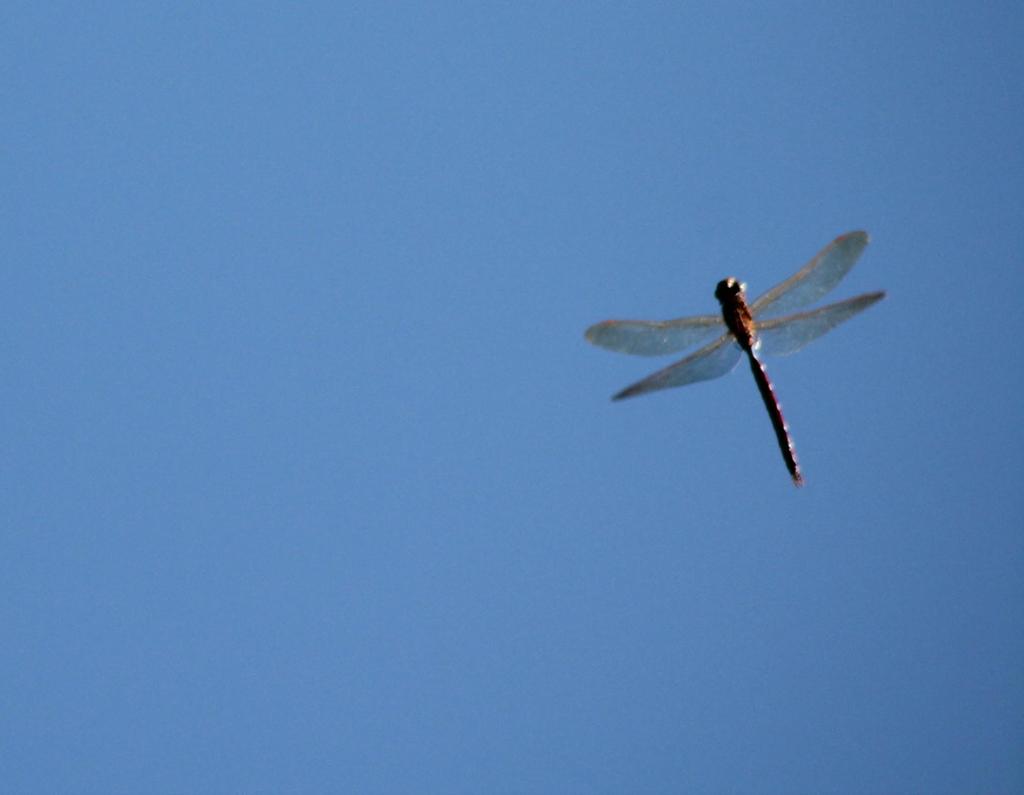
(768, 325)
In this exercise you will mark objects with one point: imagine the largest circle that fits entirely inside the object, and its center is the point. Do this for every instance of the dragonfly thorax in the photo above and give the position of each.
(735, 311)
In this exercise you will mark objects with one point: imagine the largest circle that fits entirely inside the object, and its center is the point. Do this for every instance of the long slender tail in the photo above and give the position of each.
(764, 386)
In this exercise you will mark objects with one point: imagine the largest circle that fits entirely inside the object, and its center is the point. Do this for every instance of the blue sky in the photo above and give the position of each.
(312, 484)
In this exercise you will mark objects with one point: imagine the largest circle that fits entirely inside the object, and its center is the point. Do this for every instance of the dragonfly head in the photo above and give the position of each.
(729, 288)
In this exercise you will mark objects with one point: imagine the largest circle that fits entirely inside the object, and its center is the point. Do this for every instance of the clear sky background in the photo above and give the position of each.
(311, 482)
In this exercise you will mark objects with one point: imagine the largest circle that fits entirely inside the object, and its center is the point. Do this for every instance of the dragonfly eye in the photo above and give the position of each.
(729, 287)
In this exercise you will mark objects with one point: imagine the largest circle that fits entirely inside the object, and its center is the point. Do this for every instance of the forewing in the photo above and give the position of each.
(789, 334)
(814, 279)
(711, 361)
(652, 337)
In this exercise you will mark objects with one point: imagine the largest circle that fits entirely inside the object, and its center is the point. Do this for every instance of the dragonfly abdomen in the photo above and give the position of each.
(771, 403)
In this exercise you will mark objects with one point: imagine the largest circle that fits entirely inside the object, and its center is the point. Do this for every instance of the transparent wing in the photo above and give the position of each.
(789, 334)
(711, 361)
(653, 337)
(814, 279)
